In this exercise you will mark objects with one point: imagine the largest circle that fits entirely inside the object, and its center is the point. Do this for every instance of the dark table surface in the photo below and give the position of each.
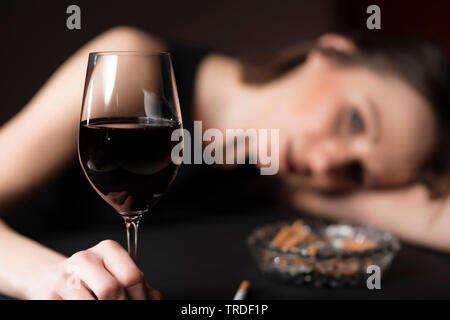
(207, 259)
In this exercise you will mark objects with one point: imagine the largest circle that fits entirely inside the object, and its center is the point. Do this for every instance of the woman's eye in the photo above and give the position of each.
(356, 121)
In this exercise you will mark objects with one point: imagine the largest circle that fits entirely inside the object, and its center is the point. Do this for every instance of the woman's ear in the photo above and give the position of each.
(331, 41)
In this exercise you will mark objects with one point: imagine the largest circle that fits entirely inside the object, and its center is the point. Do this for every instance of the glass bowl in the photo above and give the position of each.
(329, 264)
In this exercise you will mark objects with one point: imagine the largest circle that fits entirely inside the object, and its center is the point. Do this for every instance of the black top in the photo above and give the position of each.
(68, 202)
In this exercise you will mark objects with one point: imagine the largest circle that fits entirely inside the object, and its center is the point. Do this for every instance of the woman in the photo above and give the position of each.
(347, 114)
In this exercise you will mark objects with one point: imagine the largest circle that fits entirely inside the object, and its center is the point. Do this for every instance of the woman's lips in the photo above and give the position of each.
(290, 163)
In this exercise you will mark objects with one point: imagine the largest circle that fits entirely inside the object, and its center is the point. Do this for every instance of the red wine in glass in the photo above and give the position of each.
(130, 111)
(128, 160)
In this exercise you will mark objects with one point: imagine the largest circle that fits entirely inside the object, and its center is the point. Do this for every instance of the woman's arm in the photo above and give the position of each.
(408, 212)
(37, 143)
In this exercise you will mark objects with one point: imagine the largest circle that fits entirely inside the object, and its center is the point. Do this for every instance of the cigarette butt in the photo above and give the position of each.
(312, 250)
(293, 241)
(287, 232)
(282, 235)
(242, 290)
(297, 225)
(296, 239)
(353, 245)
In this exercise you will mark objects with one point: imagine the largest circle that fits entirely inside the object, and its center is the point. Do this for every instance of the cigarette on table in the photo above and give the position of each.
(241, 293)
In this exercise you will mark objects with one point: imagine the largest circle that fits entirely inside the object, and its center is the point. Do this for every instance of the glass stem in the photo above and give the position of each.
(132, 224)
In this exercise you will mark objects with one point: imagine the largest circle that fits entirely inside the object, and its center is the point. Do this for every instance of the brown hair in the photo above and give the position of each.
(422, 64)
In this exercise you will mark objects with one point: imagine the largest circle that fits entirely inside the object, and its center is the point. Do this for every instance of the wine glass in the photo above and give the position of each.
(129, 111)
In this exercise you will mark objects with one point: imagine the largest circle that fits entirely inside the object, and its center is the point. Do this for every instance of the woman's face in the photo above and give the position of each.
(349, 126)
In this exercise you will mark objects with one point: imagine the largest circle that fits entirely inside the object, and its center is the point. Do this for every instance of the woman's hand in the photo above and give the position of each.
(103, 272)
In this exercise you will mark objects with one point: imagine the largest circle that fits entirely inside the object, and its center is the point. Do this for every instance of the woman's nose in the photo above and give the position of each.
(328, 156)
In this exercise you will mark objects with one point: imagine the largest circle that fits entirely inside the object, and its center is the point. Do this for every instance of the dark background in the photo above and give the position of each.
(195, 239)
(35, 41)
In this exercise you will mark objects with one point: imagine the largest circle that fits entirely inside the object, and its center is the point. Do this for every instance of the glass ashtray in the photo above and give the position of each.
(333, 254)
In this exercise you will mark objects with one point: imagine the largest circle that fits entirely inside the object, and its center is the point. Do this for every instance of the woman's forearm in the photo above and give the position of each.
(21, 261)
(408, 213)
